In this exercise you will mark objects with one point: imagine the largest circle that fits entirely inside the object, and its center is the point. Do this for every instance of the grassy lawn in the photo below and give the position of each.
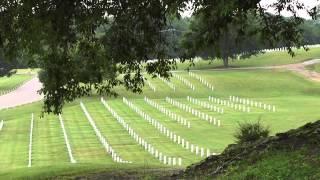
(295, 98)
(267, 59)
(12, 82)
(27, 71)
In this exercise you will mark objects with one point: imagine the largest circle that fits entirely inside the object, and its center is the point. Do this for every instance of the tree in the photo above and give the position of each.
(228, 29)
(229, 45)
(74, 58)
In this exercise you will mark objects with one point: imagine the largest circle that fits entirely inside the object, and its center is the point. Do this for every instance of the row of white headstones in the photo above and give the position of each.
(252, 103)
(30, 141)
(197, 113)
(147, 146)
(168, 133)
(151, 86)
(202, 80)
(168, 113)
(66, 140)
(1, 124)
(237, 107)
(102, 139)
(205, 105)
(184, 81)
(171, 85)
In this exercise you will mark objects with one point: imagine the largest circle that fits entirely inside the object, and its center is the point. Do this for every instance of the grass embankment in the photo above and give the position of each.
(295, 98)
(289, 155)
(300, 164)
(12, 82)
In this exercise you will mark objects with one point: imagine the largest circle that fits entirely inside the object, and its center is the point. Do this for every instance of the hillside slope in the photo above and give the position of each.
(291, 155)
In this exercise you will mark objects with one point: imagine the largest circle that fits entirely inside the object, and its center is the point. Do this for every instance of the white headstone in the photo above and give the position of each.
(208, 152)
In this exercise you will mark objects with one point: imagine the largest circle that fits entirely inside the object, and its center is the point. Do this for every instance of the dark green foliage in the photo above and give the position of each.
(81, 44)
(249, 132)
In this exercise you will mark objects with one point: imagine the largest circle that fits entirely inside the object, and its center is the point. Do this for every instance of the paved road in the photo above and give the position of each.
(25, 94)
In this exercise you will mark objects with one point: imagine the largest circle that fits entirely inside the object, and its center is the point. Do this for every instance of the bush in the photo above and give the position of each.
(249, 132)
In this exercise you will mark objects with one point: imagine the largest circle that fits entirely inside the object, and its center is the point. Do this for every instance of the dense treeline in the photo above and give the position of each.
(176, 34)
(183, 37)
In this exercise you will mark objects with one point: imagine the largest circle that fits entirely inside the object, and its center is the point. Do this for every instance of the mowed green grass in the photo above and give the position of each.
(266, 59)
(9, 83)
(296, 99)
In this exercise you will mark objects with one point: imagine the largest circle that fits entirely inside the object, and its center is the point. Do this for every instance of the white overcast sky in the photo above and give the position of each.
(308, 3)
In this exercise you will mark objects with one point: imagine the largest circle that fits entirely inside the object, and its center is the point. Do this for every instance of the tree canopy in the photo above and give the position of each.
(86, 44)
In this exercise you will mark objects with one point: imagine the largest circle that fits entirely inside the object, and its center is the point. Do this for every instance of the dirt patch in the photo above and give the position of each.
(300, 68)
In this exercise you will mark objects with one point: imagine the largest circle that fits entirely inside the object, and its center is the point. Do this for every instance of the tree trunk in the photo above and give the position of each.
(225, 62)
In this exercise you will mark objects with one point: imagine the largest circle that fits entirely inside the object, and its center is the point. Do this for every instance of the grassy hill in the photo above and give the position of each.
(290, 155)
(10, 83)
(294, 97)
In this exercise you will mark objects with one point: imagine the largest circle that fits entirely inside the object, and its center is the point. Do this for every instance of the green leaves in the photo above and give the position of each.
(84, 45)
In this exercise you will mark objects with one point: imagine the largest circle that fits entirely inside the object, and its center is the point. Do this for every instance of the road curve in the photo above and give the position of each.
(25, 94)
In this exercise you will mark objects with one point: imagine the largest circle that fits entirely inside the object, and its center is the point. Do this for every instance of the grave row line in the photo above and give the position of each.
(102, 139)
(1, 124)
(168, 83)
(66, 140)
(185, 81)
(147, 146)
(285, 49)
(252, 103)
(167, 112)
(194, 112)
(168, 133)
(30, 142)
(205, 105)
(151, 86)
(202, 80)
(232, 105)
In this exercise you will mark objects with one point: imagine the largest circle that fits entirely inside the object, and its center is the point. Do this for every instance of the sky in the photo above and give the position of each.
(308, 3)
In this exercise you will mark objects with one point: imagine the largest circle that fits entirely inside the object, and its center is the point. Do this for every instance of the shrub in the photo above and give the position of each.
(249, 132)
